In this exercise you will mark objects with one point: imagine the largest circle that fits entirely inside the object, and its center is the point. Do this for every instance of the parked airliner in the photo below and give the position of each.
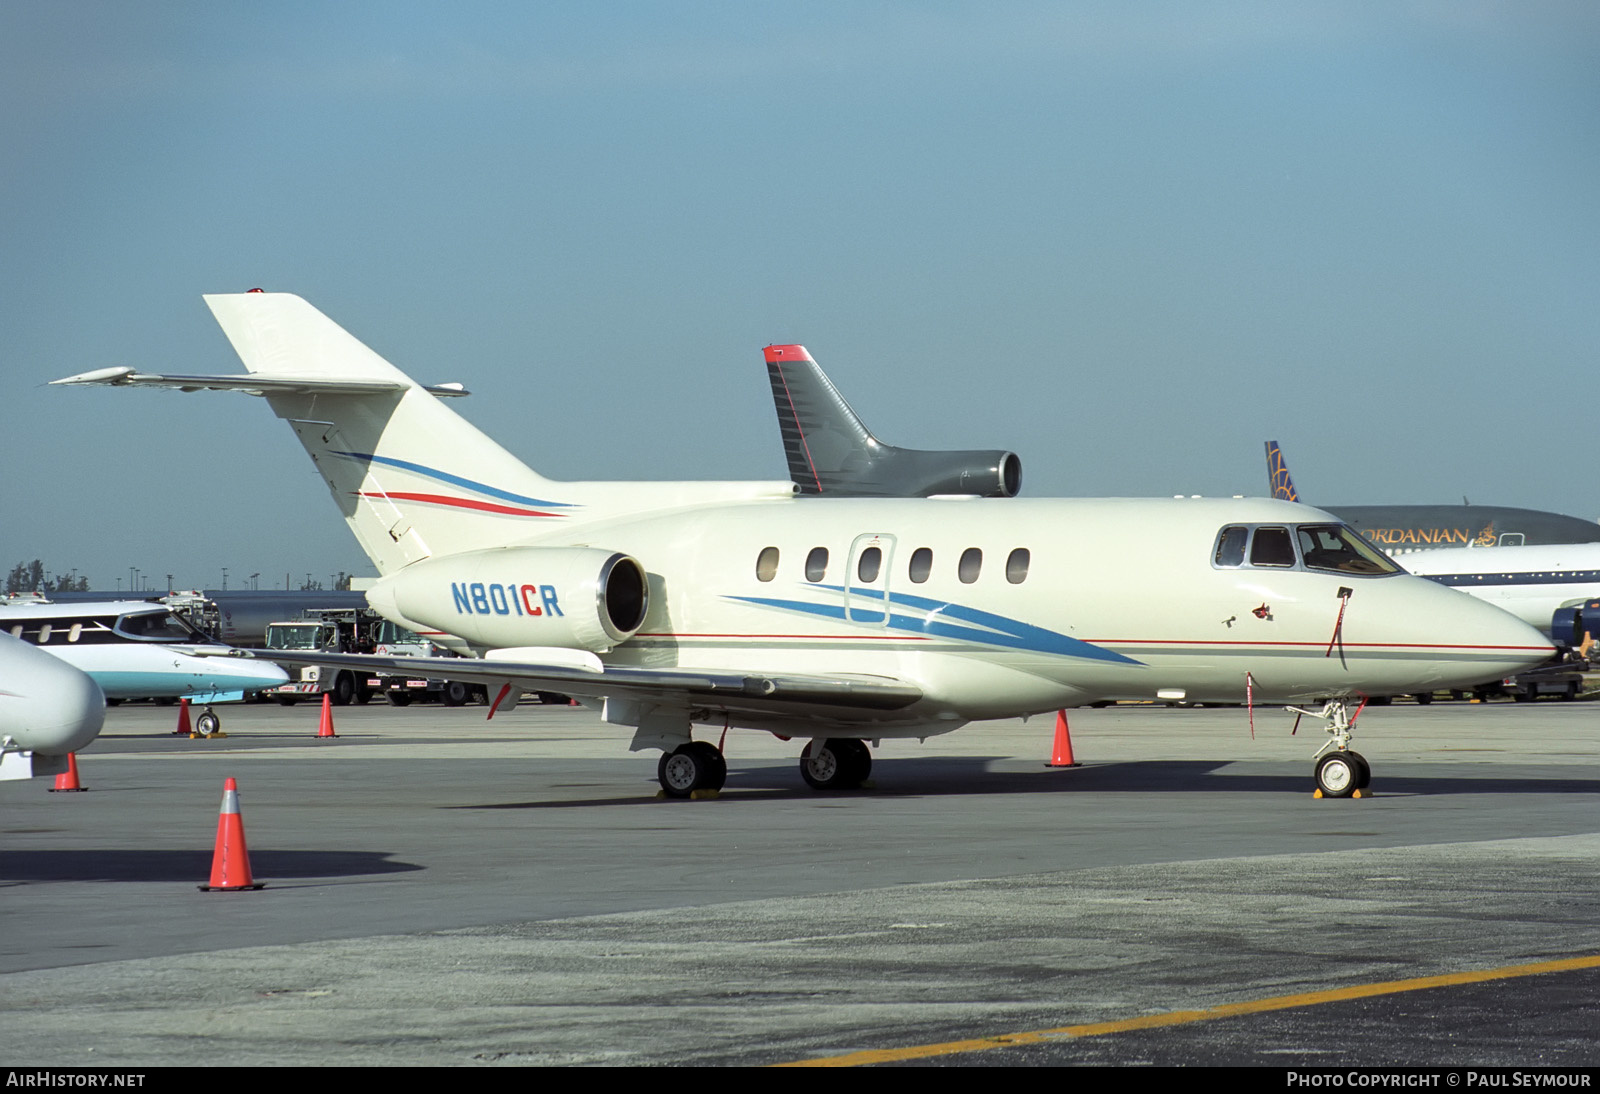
(738, 604)
(135, 649)
(48, 709)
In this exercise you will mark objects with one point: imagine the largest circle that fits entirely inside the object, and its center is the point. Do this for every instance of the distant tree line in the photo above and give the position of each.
(28, 577)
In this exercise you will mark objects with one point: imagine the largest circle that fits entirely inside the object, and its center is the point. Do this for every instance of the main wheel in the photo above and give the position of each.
(1339, 774)
(207, 724)
(694, 766)
(856, 757)
(837, 764)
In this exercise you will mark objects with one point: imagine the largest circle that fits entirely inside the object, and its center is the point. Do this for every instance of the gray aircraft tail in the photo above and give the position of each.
(832, 453)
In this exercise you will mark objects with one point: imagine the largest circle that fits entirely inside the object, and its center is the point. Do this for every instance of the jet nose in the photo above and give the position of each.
(1496, 643)
(49, 707)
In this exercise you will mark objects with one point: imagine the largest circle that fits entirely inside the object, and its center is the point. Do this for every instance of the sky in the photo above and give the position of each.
(1130, 242)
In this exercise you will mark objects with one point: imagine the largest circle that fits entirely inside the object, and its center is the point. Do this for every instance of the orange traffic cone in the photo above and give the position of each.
(325, 729)
(184, 728)
(1062, 757)
(68, 783)
(230, 862)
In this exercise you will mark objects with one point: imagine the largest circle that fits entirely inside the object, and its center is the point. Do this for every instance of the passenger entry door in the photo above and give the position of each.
(866, 579)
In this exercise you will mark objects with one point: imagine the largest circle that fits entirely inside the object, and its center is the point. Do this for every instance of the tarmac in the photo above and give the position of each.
(446, 890)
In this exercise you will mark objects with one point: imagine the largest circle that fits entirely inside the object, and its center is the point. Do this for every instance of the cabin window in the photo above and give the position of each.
(921, 564)
(817, 564)
(1230, 545)
(868, 565)
(767, 564)
(1335, 547)
(1272, 547)
(1017, 566)
(970, 565)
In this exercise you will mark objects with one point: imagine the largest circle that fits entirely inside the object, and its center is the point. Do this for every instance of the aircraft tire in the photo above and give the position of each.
(207, 724)
(694, 766)
(1339, 774)
(840, 764)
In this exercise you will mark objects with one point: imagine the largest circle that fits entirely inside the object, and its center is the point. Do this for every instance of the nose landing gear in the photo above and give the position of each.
(1340, 772)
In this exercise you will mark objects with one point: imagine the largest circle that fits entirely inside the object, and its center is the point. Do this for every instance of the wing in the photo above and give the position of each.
(255, 383)
(731, 691)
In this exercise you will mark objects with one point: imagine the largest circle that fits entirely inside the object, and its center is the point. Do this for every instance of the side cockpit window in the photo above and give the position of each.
(1230, 545)
(1271, 547)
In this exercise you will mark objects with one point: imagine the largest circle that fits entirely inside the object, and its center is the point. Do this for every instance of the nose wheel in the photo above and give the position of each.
(1342, 774)
(1340, 771)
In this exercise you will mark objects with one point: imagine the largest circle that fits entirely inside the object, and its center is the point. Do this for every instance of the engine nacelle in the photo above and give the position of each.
(566, 597)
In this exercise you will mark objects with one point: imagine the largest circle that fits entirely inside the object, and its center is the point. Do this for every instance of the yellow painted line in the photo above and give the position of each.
(1183, 1017)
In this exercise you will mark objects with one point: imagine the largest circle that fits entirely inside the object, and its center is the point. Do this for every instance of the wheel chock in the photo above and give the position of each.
(704, 795)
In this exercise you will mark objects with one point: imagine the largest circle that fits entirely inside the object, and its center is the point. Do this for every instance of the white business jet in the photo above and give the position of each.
(47, 710)
(738, 604)
(135, 649)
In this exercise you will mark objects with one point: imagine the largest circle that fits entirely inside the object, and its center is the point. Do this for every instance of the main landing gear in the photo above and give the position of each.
(698, 765)
(837, 763)
(1340, 772)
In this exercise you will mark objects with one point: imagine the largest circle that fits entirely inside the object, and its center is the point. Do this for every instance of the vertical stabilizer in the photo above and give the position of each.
(1278, 474)
(831, 452)
(412, 478)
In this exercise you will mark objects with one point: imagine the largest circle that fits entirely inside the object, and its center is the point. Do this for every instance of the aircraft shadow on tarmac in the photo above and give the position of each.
(950, 776)
(133, 865)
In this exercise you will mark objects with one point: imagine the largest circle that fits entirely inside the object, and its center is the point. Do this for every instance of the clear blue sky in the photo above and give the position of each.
(1129, 241)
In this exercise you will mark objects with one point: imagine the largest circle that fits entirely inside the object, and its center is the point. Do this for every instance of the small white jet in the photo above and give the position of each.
(738, 604)
(135, 649)
(48, 709)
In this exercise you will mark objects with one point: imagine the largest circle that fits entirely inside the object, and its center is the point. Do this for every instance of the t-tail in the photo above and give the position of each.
(1278, 474)
(831, 453)
(412, 478)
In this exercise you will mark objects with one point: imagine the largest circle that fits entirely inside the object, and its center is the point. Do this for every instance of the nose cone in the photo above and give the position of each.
(1461, 641)
(230, 673)
(46, 705)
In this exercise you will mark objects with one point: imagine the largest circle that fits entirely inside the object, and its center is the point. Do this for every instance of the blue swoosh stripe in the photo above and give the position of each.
(1009, 633)
(454, 480)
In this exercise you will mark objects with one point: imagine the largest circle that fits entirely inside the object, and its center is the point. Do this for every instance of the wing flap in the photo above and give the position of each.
(737, 690)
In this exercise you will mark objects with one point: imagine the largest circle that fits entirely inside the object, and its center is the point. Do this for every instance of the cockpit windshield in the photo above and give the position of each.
(293, 636)
(157, 627)
(1335, 547)
(1332, 547)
